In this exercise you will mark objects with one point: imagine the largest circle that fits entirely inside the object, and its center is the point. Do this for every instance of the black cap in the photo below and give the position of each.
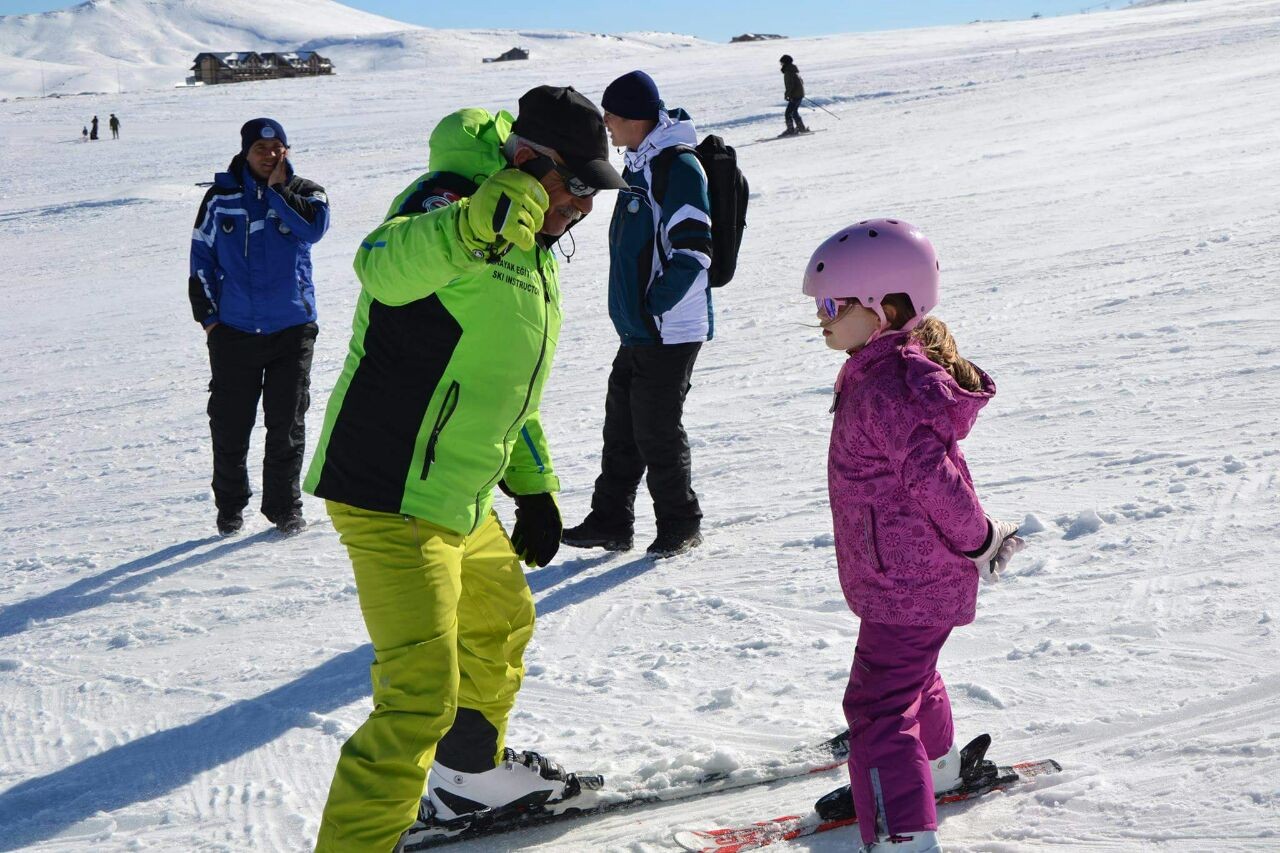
(560, 118)
(786, 57)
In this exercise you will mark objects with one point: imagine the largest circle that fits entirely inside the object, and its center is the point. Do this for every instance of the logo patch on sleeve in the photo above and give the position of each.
(444, 198)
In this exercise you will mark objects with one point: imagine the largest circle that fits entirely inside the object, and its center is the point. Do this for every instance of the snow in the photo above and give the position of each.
(1102, 192)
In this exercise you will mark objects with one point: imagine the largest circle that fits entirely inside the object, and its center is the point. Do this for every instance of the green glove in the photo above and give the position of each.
(507, 208)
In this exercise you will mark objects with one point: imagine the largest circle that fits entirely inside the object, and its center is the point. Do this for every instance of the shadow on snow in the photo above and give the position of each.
(151, 766)
(99, 589)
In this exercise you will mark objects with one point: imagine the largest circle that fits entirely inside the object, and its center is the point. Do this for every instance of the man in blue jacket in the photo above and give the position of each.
(660, 304)
(251, 290)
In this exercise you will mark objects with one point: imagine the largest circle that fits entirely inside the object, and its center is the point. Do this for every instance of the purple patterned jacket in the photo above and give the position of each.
(903, 503)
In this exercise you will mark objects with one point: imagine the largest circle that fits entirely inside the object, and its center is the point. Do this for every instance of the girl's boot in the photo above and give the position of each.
(946, 771)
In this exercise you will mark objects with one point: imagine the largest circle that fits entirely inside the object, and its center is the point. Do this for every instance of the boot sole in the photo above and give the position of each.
(606, 544)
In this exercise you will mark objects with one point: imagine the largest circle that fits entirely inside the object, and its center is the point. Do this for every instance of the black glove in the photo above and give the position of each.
(536, 536)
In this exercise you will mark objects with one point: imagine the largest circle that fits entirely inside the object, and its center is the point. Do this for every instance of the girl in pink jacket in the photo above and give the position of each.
(911, 537)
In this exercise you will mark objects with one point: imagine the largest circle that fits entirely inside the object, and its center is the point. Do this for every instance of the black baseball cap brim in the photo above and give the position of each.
(597, 173)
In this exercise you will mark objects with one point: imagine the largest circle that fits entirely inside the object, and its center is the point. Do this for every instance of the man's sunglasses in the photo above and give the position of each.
(542, 164)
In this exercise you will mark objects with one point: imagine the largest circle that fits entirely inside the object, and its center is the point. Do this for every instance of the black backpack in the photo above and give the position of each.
(726, 188)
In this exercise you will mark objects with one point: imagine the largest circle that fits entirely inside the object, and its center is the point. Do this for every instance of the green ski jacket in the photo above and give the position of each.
(438, 398)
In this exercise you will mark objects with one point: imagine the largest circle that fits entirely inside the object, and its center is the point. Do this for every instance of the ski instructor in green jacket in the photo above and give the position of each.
(454, 333)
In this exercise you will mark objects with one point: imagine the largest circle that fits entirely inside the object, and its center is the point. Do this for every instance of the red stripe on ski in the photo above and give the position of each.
(790, 827)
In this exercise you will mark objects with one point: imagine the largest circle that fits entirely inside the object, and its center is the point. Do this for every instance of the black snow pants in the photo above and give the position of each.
(643, 430)
(792, 115)
(277, 368)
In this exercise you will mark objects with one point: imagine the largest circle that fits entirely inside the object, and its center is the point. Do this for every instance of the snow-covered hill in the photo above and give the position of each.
(106, 45)
(1102, 190)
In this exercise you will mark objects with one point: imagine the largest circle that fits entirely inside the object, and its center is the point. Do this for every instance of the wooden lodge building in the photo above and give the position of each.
(211, 68)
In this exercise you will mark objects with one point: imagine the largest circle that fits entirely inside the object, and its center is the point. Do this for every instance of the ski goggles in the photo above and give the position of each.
(542, 164)
(830, 307)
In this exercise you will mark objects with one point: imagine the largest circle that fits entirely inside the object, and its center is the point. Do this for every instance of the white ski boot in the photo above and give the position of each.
(907, 842)
(946, 771)
(523, 781)
(521, 789)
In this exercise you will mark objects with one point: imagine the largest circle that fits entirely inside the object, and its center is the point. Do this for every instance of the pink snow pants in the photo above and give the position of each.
(899, 720)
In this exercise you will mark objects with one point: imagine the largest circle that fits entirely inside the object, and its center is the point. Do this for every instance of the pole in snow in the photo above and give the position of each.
(824, 109)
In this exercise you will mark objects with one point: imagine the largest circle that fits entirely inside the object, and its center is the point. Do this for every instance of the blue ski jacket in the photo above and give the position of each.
(251, 251)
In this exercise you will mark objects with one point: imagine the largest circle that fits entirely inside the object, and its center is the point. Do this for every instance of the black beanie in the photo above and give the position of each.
(633, 96)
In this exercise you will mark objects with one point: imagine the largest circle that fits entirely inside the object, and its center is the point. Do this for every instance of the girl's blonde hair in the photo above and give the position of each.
(935, 339)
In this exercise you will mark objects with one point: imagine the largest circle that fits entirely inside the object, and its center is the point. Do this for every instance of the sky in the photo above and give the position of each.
(717, 20)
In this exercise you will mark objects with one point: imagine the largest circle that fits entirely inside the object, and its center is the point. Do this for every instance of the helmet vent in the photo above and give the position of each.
(873, 233)
(893, 222)
(820, 266)
(843, 237)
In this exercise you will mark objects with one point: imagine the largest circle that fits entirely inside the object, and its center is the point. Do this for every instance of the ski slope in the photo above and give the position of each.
(1102, 192)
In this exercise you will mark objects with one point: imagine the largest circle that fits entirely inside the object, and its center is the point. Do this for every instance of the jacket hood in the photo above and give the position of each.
(674, 127)
(929, 381)
(469, 143)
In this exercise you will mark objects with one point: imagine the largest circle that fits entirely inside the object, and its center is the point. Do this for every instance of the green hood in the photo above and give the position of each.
(469, 143)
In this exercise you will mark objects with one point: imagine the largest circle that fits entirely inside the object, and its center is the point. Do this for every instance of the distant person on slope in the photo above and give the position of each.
(660, 304)
(911, 536)
(793, 91)
(115, 126)
(455, 329)
(251, 290)
(93, 128)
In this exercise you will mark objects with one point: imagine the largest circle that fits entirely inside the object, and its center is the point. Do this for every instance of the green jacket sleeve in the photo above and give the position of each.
(408, 258)
(530, 471)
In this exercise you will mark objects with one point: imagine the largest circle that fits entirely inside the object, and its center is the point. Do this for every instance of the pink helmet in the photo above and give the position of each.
(872, 259)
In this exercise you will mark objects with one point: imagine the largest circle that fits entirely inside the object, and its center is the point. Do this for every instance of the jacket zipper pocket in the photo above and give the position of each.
(869, 526)
(447, 407)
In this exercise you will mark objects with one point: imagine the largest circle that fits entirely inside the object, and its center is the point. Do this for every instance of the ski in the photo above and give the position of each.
(780, 136)
(587, 796)
(789, 827)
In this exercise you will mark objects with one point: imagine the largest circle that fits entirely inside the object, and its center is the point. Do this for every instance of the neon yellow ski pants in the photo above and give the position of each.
(449, 616)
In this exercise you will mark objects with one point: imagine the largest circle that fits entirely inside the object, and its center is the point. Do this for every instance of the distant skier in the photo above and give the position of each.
(84, 134)
(115, 126)
(911, 536)
(793, 91)
(93, 128)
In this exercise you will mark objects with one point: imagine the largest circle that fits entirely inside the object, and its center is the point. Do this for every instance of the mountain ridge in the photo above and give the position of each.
(105, 45)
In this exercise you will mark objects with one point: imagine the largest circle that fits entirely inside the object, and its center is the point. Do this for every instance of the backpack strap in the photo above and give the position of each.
(660, 169)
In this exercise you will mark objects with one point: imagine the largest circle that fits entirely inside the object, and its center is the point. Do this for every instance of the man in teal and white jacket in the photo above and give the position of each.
(660, 304)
